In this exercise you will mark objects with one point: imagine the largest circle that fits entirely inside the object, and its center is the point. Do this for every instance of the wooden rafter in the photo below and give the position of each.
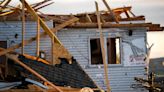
(109, 25)
(4, 4)
(43, 6)
(126, 13)
(40, 3)
(122, 9)
(111, 12)
(42, 23)
(38, 38)
(102, 47)
(88, 18)
(23, 25)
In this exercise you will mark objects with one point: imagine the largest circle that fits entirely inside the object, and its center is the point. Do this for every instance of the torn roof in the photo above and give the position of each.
(121, 17)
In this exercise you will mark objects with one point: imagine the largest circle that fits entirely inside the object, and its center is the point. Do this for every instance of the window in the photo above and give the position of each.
(113, 50)
(112, 47)
(96, 55)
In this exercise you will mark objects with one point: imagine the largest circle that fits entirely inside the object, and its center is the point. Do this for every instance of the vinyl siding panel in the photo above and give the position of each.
(9, 29)
(121, 77)
(77, 42)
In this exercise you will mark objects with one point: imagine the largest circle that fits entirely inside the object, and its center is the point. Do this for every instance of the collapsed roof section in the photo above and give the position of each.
(121, 17)
(126, 19)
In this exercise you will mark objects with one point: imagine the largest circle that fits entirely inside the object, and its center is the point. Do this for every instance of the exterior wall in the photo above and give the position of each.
(9, 29)
(121, 76)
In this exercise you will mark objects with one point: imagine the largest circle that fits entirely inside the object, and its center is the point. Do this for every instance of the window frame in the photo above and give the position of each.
(105, 44)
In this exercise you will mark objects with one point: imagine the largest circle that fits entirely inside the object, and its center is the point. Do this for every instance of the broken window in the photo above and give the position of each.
(113, 50)
(96, 55)
(112, 47)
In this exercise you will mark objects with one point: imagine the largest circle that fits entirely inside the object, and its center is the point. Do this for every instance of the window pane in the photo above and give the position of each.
(118, 61)
(96, 55)
(113, 50)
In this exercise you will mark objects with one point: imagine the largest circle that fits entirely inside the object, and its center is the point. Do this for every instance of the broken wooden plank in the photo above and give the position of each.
(136, 18)
(132, 13)
(36, 88)
(14, 58)
(66, 89)
(53, 55)
(36, 58)
(109, 25)
(156, 29)
(54, 18)
(40, 3)
(111, 12)
(6, 13)
(66, 23)
(126, 13)
(4, 4)
(102, 19)
(127, 8)
(59, 27)
(42, 23)
(102, 48)
(43, 6)
(88, 18)
(23, 25)
(38, 38)
(31, 57)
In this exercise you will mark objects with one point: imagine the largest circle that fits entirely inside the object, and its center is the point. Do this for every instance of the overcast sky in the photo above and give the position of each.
(153, 10)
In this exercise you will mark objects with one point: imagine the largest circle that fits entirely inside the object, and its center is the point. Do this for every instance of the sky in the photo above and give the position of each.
(153, 10)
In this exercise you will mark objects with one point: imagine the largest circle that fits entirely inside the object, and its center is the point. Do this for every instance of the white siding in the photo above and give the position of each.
(121, 77)
(9, 29)
(77, 42)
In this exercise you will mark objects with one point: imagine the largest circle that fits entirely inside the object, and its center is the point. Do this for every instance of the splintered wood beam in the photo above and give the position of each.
(102, 48)
(40, 3)
(58, 27)
(37, 59)
(67, 23)
(14, 58)
(31, 57)
(52, 52)
(42, 23)
(23, 26)
(132, 13)
(38, 38)
(126, 13)
(127, 8)
(156, 29)
(43, 6)
(111, 12)
(4, 4)
(102, 19)
(55, 19)
(6, 13)
(1, 2)
(88, 18)
(109, 25)
(136, 18)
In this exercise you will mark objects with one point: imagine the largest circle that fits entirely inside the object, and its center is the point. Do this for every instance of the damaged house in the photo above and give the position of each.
(67, 50)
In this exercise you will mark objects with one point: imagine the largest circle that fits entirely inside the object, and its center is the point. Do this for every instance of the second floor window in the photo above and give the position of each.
(112, 47)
